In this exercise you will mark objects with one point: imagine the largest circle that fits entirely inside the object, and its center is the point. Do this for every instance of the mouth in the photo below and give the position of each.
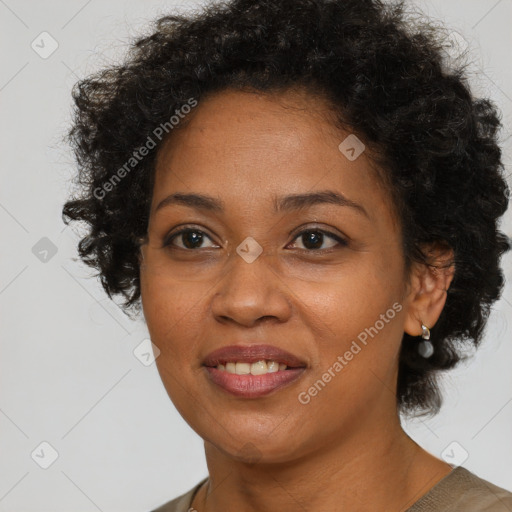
(252, 371)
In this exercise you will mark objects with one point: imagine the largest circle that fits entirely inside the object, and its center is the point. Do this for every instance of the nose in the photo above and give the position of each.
(249, 293)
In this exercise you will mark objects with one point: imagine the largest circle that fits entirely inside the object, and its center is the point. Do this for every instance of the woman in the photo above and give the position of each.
(302, 197)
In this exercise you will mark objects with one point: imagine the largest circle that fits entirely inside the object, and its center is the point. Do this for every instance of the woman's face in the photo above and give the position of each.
(334, 297)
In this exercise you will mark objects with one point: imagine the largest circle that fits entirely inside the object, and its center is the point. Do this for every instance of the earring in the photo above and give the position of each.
(425, 347)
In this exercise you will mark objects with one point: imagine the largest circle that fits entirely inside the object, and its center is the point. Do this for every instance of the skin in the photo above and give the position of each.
(274, 453)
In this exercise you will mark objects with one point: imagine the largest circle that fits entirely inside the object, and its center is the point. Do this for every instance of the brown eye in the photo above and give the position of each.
(190, 238)
(313, 239)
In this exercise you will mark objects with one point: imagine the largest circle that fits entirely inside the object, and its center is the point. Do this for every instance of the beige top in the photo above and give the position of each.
(459, 491)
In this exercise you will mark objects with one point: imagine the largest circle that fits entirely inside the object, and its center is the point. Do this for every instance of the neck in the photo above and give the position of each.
(376, 468)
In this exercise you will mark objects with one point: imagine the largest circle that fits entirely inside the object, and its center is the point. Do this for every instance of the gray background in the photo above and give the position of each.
(68, 373)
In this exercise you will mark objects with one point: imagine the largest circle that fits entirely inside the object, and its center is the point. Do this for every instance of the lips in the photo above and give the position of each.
(252, 354)
(252, 385)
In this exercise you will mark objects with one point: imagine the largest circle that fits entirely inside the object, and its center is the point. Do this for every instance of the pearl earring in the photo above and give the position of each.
(425, 347)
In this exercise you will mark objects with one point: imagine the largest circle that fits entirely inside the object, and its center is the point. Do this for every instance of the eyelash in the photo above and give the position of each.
(341, 241)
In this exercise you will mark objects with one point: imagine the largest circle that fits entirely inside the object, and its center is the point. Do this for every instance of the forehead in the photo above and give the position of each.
(231, 120)
(241, 145)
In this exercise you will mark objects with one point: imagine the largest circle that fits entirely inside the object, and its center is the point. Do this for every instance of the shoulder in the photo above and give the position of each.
(463, 491)
(182, 503)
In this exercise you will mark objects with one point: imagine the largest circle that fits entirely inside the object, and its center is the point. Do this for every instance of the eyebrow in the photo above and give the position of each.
(285, 203)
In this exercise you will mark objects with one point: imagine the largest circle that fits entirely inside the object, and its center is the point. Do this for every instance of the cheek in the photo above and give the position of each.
(172, 318)
(357, 333)
(171, 314)
(352, 297)
(356, 315)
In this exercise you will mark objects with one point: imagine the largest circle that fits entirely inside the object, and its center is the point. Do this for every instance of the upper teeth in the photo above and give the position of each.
(258, 368)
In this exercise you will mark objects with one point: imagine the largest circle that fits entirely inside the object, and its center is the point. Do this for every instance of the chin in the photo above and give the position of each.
(252, 447)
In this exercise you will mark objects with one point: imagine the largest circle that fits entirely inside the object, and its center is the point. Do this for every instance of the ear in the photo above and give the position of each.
(428, 287)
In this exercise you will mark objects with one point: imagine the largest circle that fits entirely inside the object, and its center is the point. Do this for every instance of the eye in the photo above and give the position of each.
(191, 238)
(313, 239)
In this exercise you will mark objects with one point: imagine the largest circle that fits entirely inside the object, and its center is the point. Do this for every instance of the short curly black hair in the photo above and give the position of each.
(388, 79)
